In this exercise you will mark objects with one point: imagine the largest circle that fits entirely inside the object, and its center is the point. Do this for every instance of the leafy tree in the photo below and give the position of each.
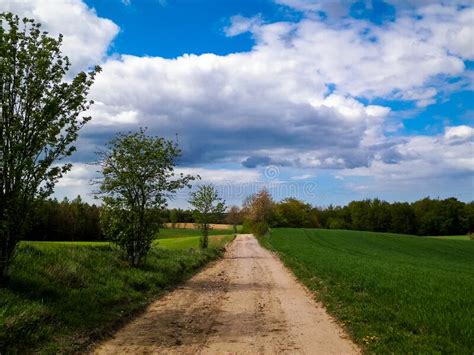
(295, 213)
(259, 211)
(138, 176)
(207, 204)
(234, 217)
(40, 119)
(469, 217)
(65, 220)
(403, 218)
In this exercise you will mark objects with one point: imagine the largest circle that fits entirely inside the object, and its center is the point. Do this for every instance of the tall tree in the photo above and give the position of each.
(207, 205)
(40, 119)
(234, 217)
(173, 217)
(259, 211)
(138, 177)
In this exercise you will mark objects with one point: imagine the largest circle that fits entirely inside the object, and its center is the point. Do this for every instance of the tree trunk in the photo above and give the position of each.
(205, 238)
(6, 251)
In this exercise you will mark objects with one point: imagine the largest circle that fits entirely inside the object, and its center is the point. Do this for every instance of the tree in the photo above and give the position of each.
(403, 218)
(138, 176)
(173, 217)
(295, 213)
(40, 119)
(259, 211)
(234, 217)
(207, 204)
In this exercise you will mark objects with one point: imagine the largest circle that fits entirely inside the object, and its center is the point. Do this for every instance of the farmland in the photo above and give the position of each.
(64, 295)
(393, 293)
(182, 232)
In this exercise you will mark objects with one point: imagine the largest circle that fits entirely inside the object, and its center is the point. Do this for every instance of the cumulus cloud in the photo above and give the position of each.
(86, 35)
(223, 176)
(459, 134)
(302, 96)
(422, 158)
(293, 99)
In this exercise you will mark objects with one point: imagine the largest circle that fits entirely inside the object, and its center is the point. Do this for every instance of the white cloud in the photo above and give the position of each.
(294, 99)
(459, 134)
(80, 175)
(273, 103)
(302, 177)
(240, 24)
(223, 176)
(86, 35)
(423, 158)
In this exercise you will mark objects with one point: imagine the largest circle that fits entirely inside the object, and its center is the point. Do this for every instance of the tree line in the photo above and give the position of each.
(424, 217)
(76, 220)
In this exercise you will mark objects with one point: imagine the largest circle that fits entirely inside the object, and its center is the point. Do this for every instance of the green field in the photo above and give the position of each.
(393, 293)
(65, 295)
(181, 232)
(193, 242)
(453, 237)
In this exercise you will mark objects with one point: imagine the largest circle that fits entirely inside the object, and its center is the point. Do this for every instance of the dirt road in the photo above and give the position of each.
(247, 303)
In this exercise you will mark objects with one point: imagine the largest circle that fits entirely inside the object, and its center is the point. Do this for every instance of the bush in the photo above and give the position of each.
(260, 229)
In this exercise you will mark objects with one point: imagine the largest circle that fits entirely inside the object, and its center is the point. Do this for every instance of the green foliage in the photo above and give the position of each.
(180, 215)
(295, 213)
(62, 296)
(174, 217)
(259, 229)
(259, 212)
(65, 220)
(423, 217)
(138, 176)
(207, 204)
(414, 294)
(40, 119)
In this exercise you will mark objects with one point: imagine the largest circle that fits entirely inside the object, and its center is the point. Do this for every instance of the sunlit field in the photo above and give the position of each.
(64, 295)
(394, 293)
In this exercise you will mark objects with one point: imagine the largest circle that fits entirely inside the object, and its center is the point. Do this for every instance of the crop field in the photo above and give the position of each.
(64, 295)
(393, 293)
(183, 232)
(453, 237)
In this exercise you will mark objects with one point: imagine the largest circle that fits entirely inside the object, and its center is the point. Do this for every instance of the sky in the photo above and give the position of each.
(327, 101)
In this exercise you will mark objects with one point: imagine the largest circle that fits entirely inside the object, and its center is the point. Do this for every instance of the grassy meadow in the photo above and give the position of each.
(393, 293)
(183, 232)
(65, 295)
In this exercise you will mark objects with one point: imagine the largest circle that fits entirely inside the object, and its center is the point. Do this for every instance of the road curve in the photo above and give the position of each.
(246, 303)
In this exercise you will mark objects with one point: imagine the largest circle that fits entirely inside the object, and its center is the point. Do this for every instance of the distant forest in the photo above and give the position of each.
(75, 220)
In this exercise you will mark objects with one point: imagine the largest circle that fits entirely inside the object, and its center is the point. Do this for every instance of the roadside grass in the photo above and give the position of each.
(393, 293)
(65, 295)
(215, 241)
(182, 232)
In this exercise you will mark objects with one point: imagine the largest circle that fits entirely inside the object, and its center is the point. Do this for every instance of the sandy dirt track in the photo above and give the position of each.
(246, 303)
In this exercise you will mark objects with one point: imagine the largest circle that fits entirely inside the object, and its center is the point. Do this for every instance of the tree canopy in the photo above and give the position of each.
(40, 119)
(138, 178)
(207, 204)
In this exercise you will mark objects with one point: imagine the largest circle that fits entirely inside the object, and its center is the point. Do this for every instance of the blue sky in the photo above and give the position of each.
(329, 101)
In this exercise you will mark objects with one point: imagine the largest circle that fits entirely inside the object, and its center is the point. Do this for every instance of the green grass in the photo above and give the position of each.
(415, 295)
(193, 242)
(181, 232)
(452, 237)
(64, 295)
